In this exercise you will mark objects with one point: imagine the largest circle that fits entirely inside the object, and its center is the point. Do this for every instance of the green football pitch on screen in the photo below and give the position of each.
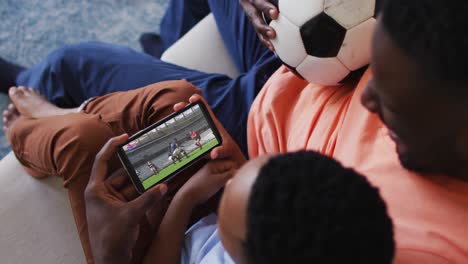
(164, 173)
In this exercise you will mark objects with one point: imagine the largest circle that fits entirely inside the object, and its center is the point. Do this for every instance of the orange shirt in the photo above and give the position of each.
(430, 213)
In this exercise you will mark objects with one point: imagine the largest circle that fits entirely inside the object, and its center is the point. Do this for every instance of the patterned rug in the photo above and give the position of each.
(31, 29)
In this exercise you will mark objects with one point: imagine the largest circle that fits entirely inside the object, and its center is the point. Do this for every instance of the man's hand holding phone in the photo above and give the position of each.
(206, 182)
(229, 149)
(112, 221)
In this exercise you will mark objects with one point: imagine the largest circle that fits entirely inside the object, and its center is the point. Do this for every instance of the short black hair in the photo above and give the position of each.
(434, 34)
(307, 208)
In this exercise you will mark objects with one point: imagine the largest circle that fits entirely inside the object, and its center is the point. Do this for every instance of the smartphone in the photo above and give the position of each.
(162, 150)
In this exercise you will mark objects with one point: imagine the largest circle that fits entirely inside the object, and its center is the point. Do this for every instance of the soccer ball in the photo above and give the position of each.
(324, 41)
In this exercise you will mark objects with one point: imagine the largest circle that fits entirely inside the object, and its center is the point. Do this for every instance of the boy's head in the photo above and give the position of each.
(303, 208)
(420, 83)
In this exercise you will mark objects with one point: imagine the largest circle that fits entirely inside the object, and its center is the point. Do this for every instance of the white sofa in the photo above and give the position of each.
(37, 225)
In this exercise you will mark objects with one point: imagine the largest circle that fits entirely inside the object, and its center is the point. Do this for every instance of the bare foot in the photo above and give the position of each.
(30, 103)
(10, 116)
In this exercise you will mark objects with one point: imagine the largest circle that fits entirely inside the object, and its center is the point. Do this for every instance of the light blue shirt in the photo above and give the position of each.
(202, 244)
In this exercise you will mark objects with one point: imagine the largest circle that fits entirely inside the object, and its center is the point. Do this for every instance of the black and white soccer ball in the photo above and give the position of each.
(324, 41)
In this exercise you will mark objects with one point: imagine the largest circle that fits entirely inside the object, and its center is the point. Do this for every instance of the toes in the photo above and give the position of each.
(31, 90)
(16, 92)
(6, 114)
(12, 108)
(34, 91)
(9, 113)
(12, 91)
(22, 90)
(6, 119)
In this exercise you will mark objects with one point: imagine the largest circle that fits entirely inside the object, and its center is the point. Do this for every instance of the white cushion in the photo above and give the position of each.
(203, 49)
(36, 219)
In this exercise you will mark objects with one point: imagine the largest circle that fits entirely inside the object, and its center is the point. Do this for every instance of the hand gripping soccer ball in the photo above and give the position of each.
(323, 41)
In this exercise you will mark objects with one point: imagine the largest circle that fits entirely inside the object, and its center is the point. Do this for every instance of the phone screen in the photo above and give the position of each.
(167, 147)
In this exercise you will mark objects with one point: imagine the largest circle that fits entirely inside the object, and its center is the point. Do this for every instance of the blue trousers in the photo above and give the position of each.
(74, 73)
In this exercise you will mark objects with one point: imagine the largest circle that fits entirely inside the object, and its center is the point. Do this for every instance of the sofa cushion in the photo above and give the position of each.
(37, 222)
(193, 51)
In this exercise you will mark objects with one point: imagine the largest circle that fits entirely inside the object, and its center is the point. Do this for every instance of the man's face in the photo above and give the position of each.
(424, 127)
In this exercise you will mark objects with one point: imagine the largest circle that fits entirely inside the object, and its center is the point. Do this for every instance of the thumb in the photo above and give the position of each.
(146, 201)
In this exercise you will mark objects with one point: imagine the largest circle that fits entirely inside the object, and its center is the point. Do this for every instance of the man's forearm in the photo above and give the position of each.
(167, 244)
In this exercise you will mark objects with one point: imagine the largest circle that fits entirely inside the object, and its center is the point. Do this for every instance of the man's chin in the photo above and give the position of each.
(410, 163)
(425, 164)
(414, 165)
